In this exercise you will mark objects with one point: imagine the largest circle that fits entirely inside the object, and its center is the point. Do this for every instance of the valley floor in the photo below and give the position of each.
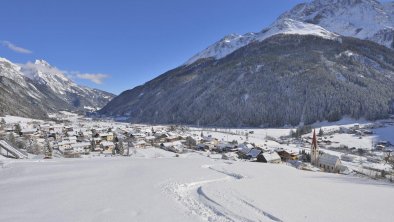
(156, 186)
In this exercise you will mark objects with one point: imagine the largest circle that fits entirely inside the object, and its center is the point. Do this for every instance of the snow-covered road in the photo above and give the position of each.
(188, 188)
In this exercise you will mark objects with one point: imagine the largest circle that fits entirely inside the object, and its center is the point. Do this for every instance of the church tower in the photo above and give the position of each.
(314, 150)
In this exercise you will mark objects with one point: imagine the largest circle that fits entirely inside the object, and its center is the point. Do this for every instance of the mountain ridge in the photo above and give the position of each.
(286, 79)
(43, 88)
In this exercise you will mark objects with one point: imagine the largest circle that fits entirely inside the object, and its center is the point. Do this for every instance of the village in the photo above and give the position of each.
(68, 135)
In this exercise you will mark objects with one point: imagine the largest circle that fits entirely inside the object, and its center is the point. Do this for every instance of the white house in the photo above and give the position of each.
(81, 147)
(329, 163)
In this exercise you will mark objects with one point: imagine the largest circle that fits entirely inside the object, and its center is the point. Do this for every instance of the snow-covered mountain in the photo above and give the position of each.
(34, 89)
(233, 42)
(43, 73)
(363, 19)
(313, 63)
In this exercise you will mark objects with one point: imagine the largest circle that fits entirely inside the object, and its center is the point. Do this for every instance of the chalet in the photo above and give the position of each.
(172, 138)
(271, 157)
(9, 129)
(150, 139)
(65, 145)
(286, 156)
(106, 136)
(243, 151)
(140, 144)
(83, 147)
(176, 146)
(202, 147)
(107, 146)
(329, 163)
(28, 132)
(225, 147)
(69, 128)
(347, 158)
(254, 153)
(45, 127)
(58, 129)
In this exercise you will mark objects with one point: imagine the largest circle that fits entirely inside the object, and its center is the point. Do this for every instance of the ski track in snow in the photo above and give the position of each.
(201, 204)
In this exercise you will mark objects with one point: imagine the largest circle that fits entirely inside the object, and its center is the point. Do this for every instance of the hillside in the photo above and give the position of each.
(285, 79)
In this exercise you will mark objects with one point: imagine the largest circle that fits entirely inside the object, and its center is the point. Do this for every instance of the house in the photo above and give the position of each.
(140, 144)
(150, 139)
(253, 153)
(58, 129)
(28, 132)
(225, 147)
(107, 146)
(106, 136)
(243, 151)
(286, 156)
(329, 163)
(271, 157)
(65, 145)
(202, 147)
(176, 146)
(83, 147)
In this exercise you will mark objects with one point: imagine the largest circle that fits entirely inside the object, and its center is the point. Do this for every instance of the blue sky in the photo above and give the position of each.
(131, 41)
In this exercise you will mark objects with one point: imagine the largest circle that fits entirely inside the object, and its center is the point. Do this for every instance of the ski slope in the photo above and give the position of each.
(191, 187)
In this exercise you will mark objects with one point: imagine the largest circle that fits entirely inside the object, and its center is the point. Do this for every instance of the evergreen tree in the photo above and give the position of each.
(2, 123)
(115, 149)
(11, 139)
(18, 129)
(321, 132)
(190, 142)
(121, 148)
(48, 149)
(92, 145)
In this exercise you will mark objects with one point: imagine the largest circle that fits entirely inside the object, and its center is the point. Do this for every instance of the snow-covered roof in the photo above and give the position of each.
(77, 145)
(328, 160)
(106, 134)
(28, 130)
(175, 143)
(107, 143)
(254, 153)
(271, 156)
(245, 150)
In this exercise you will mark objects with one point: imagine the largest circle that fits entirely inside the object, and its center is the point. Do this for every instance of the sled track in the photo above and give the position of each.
(199, 203)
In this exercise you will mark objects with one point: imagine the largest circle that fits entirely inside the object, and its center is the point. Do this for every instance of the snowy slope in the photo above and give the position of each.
(188, 188)
(364, 19)
(43, 73)
(11, 71)
(233, 42)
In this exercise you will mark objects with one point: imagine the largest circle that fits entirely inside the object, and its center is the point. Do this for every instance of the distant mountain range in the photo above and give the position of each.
(319, 61)
(36, 89)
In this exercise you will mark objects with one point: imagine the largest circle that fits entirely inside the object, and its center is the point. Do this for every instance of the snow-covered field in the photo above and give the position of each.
(156, 186)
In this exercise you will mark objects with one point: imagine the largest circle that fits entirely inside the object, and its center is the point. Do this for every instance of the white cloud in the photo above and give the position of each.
(96, 78)
(15, 48)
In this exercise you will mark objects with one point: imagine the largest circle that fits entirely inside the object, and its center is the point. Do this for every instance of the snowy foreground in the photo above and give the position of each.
(155, 186)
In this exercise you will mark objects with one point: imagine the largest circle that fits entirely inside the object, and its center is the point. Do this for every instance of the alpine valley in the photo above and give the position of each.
(321, 60)
(36, 89)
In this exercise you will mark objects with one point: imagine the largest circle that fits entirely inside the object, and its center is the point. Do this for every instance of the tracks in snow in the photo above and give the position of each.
(218, 206)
